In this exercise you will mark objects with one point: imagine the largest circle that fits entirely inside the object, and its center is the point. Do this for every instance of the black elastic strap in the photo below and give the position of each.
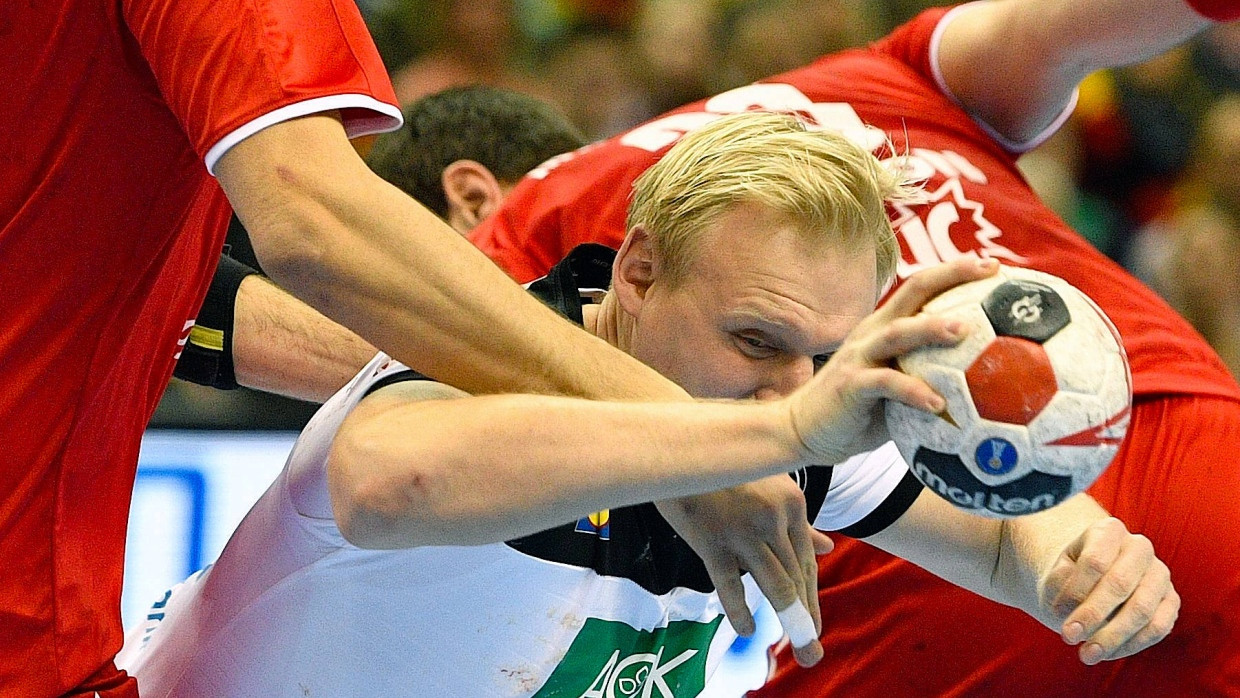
(207, 356)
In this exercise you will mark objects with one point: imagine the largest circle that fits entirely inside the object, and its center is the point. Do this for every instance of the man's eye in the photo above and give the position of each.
(821, 360)
(755, 347)
(754, 342)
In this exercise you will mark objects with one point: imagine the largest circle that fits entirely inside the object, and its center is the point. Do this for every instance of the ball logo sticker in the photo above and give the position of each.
(1027, 310)
(996, 456)
(598, 524)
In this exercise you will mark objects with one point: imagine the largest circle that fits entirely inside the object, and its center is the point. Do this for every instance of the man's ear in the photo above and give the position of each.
(634, 270)
(472, 193)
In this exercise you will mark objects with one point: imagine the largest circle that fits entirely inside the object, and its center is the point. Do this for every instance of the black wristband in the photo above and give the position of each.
(207, 357)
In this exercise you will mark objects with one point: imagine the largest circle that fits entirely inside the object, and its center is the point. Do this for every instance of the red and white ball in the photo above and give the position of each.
(1038, 396)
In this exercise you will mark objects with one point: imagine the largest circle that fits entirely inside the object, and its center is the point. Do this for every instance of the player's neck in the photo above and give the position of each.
(607, 321)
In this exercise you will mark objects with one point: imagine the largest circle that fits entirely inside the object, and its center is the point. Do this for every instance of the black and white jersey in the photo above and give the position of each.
(614, 604)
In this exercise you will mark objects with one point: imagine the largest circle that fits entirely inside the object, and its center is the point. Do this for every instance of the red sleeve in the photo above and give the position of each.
(916, 44)
(223, 64)
(912, 43)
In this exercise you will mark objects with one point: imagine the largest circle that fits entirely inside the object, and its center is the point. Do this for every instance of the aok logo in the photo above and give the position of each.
(609, 659)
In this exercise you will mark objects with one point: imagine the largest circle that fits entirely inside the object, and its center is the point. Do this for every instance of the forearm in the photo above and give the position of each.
(415, 474)
(1002, 560)
(369, 257)
(1014, 63)
(1031, 544)
(281, 345)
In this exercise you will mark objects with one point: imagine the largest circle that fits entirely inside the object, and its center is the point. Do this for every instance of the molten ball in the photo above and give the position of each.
(1038, 396)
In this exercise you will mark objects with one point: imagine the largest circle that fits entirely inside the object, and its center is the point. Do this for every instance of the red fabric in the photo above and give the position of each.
(890, 628)
(1217, 10)
(980, 200)
(109, 231)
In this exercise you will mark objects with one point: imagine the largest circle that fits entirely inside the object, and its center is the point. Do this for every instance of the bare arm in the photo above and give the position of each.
(366, 255)
(404, 461)
(1014, 63)
(281, 345)
(1069, 565)
(406, 471)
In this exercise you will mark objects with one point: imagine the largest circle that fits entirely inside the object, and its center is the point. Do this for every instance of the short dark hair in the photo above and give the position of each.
(508, 132)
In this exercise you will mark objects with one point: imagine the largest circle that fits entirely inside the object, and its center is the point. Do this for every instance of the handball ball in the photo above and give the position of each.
(1038, 396)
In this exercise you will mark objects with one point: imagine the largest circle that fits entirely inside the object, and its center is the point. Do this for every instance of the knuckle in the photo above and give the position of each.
(1073, 597)
(1141, 611)
(918, 283)
(1111, 523)
(1159, 628)
(1089, 617)
(890, 334)
(1095, 563)
(783, 593)
(1119, 584)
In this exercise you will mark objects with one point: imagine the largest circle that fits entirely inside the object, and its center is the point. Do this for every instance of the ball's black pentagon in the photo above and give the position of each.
(1026, 309)
(947, 476)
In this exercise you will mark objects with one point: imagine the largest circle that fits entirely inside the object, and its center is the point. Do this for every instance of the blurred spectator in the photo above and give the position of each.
(676, 51)
(765, 38)
(1216, 58)
(593, 81)
(1215, 173)
(1199, 275)
(1193, 253)
(1054, 170)
(471, 42)
(1138, 125)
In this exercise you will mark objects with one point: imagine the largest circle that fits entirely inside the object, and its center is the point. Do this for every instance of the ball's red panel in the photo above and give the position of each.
(1011, 381)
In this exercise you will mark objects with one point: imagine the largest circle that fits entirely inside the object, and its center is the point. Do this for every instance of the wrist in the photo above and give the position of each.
(798, 430)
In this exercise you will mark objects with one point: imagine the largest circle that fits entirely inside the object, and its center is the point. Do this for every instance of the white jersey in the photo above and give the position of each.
(612, 605)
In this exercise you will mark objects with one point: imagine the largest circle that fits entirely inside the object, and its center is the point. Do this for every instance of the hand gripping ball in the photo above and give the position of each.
(1038, 396)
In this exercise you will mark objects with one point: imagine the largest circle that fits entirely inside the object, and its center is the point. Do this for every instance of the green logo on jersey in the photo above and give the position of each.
(609, 659)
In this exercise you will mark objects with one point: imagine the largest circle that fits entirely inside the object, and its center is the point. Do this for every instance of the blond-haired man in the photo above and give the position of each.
(425, 542)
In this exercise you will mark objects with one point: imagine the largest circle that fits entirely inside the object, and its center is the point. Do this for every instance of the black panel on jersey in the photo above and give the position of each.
(399, 377)
(892, 508)
(587, 266)
(641, 546)
(815, 482)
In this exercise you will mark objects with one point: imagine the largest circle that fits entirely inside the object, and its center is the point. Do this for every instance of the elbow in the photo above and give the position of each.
(296, 252)
(380, 500)
(303, 241)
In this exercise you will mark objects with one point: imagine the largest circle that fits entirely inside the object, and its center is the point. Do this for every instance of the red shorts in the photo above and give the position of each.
(893, 630)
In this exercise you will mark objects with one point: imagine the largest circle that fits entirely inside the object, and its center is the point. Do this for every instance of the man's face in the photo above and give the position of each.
(759, 311)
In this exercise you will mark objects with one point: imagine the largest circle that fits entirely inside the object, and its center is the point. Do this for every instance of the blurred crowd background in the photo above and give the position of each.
(1148, 169)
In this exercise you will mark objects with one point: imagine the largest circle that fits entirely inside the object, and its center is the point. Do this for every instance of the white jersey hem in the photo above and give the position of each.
(386, 118)
(1008, 144)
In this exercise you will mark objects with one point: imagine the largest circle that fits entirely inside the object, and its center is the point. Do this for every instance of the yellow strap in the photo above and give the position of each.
(207, 338)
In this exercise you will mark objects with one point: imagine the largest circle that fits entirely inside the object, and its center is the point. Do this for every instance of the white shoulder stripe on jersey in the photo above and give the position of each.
(386, 118)
(1008, 144)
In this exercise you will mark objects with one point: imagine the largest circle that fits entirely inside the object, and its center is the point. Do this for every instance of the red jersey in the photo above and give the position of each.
(890, 628)
(110, 228)
(980, 203)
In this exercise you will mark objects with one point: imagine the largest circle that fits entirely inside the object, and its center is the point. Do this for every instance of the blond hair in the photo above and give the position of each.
(825, 184)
